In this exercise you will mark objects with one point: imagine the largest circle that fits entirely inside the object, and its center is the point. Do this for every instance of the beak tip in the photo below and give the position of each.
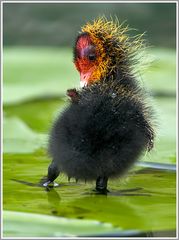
(83, 84)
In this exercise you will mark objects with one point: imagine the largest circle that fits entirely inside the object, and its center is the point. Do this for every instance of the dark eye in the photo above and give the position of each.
(92, 57)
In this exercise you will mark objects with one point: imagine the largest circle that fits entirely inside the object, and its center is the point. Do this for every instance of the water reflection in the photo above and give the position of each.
(123, 208)
(53, 199)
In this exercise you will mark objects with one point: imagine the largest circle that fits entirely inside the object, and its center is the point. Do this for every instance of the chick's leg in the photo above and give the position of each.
(101, 184)
(53, 173)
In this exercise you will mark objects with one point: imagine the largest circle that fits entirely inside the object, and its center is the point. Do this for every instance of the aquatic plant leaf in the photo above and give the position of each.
(145, 196)
(51, 71)
(19, 138)
(37, 72)
(20, 224)
(38, 115)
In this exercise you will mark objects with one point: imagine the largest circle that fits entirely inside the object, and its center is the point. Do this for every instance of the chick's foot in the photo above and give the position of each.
(101, 185)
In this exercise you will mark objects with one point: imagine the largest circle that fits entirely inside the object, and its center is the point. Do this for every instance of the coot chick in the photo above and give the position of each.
(108, 123)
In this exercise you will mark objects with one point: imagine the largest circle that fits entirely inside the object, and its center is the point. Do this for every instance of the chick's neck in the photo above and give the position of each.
(118, 77)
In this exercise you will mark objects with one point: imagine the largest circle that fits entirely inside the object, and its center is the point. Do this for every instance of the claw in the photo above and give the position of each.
(55, 184)
(46, 184)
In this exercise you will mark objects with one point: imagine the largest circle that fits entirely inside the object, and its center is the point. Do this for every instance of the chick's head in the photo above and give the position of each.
(104, 46)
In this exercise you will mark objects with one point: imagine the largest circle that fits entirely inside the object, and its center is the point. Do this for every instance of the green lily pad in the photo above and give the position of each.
(19, 224)
(146, 196)
(19, 138)
(161, 75)
(36, 72)
(165, 144)
(38, 115)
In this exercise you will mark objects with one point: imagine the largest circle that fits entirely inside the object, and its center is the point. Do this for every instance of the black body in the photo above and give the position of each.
(103, 133)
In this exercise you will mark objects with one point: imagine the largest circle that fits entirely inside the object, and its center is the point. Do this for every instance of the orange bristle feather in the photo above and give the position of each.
(115, 47)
